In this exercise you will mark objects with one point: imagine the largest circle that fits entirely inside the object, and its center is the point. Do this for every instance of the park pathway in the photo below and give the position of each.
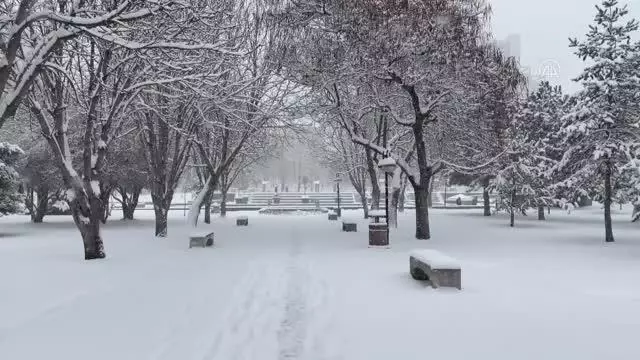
(276, 301)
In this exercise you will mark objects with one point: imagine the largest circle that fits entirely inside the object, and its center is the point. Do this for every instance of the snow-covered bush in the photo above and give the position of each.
(10, 199)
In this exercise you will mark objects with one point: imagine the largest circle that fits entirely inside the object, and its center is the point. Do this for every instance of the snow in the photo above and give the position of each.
(102, 145)
(61, 205)
(377, 213)
(296, 287)
(71, 194)
(435, 259)
(10, 148)
(95, 187)
(386, 162)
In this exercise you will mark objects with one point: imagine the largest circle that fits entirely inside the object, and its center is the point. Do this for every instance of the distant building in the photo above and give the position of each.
(510, 46)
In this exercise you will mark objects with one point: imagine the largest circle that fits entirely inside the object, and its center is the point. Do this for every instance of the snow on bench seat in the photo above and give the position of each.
(436, 267)
(377, 213)
(242, 221)
(435, 259)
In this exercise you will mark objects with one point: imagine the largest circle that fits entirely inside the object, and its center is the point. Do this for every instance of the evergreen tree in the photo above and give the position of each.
(10, 199)
(534, 147)
(600, 127)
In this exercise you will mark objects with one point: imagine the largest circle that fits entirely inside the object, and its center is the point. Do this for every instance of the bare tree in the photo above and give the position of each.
(31, 31)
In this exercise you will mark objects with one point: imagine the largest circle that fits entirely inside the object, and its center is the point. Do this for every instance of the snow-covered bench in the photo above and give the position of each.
(200, 238)
(349, 226)
(333, 216)
(439, 269)
(242, 221)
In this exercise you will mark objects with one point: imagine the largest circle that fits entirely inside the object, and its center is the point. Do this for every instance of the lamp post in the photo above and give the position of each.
(388, 166)
(337, 180)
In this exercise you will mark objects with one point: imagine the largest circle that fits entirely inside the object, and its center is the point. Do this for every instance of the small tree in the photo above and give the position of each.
(127, 170)
(10, 199)
(44, 190)
(603, 123)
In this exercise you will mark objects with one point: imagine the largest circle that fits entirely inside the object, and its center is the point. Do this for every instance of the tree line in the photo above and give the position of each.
(128, 94)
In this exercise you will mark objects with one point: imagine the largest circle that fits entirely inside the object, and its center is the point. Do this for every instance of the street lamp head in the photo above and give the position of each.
(337, 179)
(387, 165)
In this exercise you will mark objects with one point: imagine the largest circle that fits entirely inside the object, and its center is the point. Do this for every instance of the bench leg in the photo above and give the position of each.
(418, 274)
(435, 281)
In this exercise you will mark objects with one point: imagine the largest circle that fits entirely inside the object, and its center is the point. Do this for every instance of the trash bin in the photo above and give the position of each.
(378, 234)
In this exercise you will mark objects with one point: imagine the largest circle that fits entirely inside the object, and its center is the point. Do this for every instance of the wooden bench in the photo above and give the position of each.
(437, 268)
(201, 238)
(333, 216)
(349, 226)
(242, 221)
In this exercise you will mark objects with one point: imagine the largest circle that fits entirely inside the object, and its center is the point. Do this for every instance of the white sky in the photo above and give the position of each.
(544, 27)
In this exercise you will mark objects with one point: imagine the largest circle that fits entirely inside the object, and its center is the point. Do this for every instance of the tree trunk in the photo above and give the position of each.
(161, 220)
(90, 229)
(105, 209)
(127, 212)
(207, 209)
(431, 184)
(512, 209)
(223, 202)
(40, 208)
(393, 208)
(423, 232)
(608, 226)
(194, 211)
(541, 212)
(486, 201)
(129, 204)
(161, 208)
(365, 208)
(373, 177)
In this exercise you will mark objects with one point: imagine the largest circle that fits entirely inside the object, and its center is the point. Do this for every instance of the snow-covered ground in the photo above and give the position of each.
(296, 287)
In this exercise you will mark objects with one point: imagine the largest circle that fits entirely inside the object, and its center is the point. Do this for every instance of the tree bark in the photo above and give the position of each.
(40, 208)
(431, 193)
(90, 228)
(373, 177)
(130, 203)
(161, 208)
(223, 201)
(512, 209)
(365, 208)
(608, 226)
(105, 210)
(423, 232)
(393, 211)
(196, 205)
(541, 212)
(486, 201)
(207, 209)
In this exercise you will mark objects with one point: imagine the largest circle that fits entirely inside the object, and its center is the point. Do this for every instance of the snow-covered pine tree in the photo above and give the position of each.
(518, 176)
(600, 127)
(533, 146)
(540, 123)
(10, 199)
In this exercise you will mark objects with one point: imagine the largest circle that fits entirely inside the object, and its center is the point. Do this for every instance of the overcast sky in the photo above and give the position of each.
(544, 27)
